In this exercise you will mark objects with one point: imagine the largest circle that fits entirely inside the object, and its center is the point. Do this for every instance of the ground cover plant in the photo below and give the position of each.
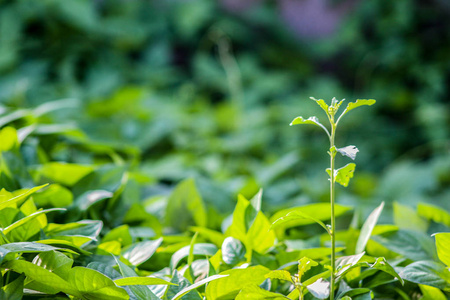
(75, 235)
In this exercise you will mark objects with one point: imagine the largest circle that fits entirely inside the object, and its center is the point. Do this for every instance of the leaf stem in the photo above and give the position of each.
(332, 198)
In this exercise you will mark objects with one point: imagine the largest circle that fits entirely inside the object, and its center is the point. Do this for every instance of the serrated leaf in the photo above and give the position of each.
(304, 265)
(280, 274)
(233, 251)
(367, 228)
(443, 247)
(141, 281)
(344, 174)
(320, 289)
(311, 120)
(349, 151)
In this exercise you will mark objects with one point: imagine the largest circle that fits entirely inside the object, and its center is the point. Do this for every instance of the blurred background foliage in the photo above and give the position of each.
(169, 90)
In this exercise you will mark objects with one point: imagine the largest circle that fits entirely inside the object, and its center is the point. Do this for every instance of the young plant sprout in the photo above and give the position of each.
(341, 175)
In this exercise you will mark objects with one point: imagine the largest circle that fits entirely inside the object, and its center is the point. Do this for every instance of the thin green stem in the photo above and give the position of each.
(333, 225)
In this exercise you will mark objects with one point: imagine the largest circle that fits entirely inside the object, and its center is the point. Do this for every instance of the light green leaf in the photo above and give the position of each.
(141, 281)
(259, 237)
(232, 251)
(343, 175)
(345, 263)
(8, 138)
(280, 274)
(321, 103)
(28, 247)
(311, 120)
(431, 293)
(89, 198)
(120, 234)
(55, 196)
(320, 289)
(443, 247)
(434, 213)
(349, 151)
(228, 287)
(191, 249)
(55, 262)
(196, 285)
(65, 173)
(406, 218)
(428, 273)
(22, 221)
(353, 105)
(254, 292)
(141, 292)
(367, 228)
(382, 265)
(5, 202)
(295, 215)
(199, 249)
(140, 252)
(304, 265)
(185, 207)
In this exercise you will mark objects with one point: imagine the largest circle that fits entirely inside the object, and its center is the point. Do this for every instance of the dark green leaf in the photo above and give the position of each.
(427, 273)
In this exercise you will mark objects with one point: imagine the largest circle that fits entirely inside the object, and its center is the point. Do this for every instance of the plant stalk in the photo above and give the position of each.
(333, 225)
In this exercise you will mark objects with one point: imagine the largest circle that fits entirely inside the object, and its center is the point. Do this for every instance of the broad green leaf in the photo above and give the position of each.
(47, 280)
(311, 120)
(196, 285)
(304, 265)
(185, 207)
(431, 293)
(367, 228)
(8, 138)
(280, 274)
(55, 262)
(254, 292)
(65, 173)
(232, 251)
(214, 236)
(120, 234)
(87, 228)
(199, 249)
(22, 221)
(345, 263)
(105, 269)
(295, 215)
(140, 252)
(428, 273)
(412, 244)
(320, 211)
(434, 213)
(13, 290)
(443, 247)
(54, 196)
(92, 284)
(28, 247)
(344, 174)
(320, 289)
(141, 292)
(71, 244)
(18, 199)
(406, 218)
(349, 151)
(382, 265)
(89, 198)
(259, 237)
(141, 281)
(228, 287)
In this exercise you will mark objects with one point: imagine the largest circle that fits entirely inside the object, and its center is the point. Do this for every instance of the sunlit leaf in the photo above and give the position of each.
(367, 228)
(280, 274)
(443, 247)
(232, 251)
(311, 120)
(428, 273)
(320, 289)
(349, 151)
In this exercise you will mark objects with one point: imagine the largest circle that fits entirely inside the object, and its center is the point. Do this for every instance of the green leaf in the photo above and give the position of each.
(311, 120)
(196, 285)
(345, 263)
(320, 211)
(54, 196)
(434, 213)
(295, 215)
(55, 262)
(18, 199)
(22, 221)
(353, 105)
(120, 234)
(92, 284)
(382, 265)
(349, 151)
(89, 198)
(181, 283)
(280, 274)
(343, 175)
(431, 293)
(254, 292)
(13, 290)
(232, 251)
(228, 287)
(185, 207)
(320, 289)
(443, 247)
(140, 252)
(428, 273)
(141, 292)
(65, 173)
(28, 247)
(321, 103)
(367, 228)
(406, 218)
(191, 249)
(8, 138)
(141, 281)
(304, 265)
